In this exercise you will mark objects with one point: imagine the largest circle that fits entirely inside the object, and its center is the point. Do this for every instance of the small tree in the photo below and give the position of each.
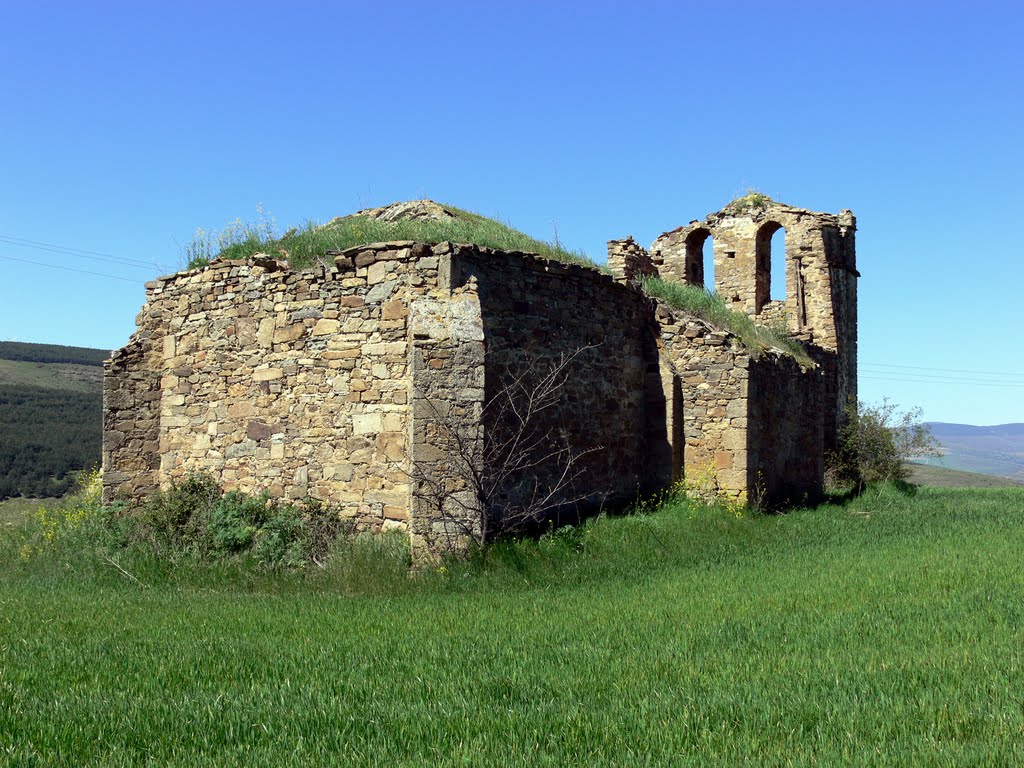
(875, 443)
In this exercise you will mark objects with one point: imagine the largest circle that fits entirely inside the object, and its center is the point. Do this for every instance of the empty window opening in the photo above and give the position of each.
(708, 259)
(699, 260)
(777, 289)
(770, 265)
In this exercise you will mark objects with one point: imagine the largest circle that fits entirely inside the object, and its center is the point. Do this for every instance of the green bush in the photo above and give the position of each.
(752, 201)
(875, 443)
(193, 535)
(193, 519)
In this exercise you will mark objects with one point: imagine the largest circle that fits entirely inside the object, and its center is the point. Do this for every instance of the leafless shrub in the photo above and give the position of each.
(524, 466)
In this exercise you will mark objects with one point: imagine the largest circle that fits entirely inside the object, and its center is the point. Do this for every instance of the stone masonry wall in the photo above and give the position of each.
(347, 383)
(742, 242)
(630, 261)
(820, 305)
(446, 430)
(707, 370)
(785, 440)
(131, 416)
(290, 382)
(751, 425)
(611, 411)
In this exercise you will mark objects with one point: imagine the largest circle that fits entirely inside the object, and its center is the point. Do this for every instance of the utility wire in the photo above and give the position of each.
(24, 240)
(70, 269)
(926, 377)
(947, 370)
(960, 382)
(78, 252)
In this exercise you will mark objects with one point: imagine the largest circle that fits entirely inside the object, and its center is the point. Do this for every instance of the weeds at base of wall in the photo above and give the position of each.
(192, 525)
(701, 490)
(79, 538)
(64, 524)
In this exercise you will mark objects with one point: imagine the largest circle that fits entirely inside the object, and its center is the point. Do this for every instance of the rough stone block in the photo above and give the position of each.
(366, 423)
(288, 333)
(393, 310)
(392, 512)
(380, 292)
(325, 327)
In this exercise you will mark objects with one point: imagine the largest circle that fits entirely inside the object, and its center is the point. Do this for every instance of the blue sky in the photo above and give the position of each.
(126, 126)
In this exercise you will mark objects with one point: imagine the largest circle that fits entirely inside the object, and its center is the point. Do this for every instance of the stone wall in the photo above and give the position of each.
(363, 382)
(131, 417)
(750, 425)
(446, 430)
(609, 414)
(629, 261)
(785, 439)
(820, 305)
(289, 382)
(706, 375)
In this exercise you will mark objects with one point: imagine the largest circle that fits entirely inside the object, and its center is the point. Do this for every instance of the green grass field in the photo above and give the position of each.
(887, 631)
(944, 477)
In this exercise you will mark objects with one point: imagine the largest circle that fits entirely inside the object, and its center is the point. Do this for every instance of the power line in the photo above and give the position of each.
(925, 377)
(961, 382)
(947, 370)
(80, 253)
(70, 269)
(25, 240)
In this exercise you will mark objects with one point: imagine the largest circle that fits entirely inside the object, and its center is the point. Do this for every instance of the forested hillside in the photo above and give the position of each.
(52, 353)
(50, 414)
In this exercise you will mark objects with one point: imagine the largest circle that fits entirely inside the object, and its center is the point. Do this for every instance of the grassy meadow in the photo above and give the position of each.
(944, 477)
(887, 630)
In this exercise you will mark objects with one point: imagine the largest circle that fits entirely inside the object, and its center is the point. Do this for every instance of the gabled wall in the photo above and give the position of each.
(289, 382)
(820, 305)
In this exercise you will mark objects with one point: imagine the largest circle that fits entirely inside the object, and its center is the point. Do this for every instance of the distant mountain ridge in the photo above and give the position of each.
(1008, 430)
(991, 450)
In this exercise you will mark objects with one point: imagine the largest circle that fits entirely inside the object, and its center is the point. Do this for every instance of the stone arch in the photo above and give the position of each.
(693, 259)
(763, 264)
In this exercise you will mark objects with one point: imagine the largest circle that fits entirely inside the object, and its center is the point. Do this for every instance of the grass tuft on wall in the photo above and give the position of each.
(710, 307)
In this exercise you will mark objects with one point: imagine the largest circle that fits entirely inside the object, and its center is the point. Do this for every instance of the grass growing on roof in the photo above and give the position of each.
(697, 301)
(751, 201)
(303, 246)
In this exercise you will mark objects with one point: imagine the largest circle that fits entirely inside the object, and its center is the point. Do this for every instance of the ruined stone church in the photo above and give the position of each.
(370, 381)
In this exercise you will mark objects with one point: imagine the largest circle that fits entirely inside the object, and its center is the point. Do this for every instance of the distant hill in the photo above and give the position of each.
(996, 450)
(52, 353)
(50, 416)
